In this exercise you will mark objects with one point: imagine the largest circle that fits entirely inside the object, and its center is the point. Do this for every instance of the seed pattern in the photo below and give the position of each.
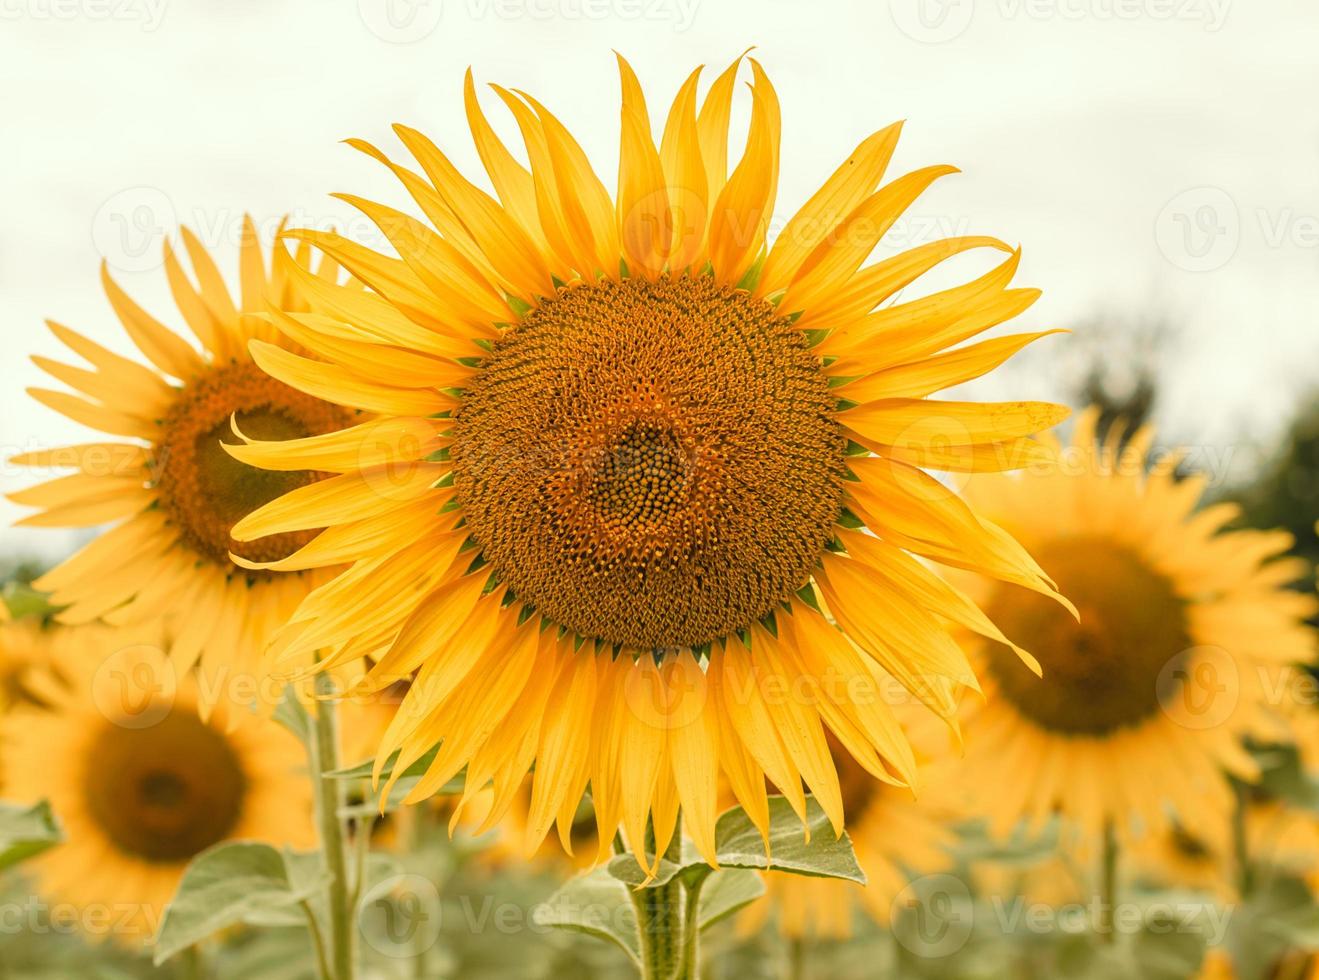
(206, 491)
(650, 463)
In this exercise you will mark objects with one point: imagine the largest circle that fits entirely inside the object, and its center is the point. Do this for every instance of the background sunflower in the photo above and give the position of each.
(167, 488)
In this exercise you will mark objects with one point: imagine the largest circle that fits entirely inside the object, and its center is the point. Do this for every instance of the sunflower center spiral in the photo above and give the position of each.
(651, 463)
(1106, 671)
(166, 792)
(204, 490)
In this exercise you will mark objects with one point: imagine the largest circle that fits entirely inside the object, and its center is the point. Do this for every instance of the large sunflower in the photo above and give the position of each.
(168, 488)
(660, 436)
(1186, 644)
(140, 783)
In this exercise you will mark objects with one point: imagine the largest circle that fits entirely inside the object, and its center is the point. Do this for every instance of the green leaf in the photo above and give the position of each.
(26, 831)
(398, 792)
(228, 884)
(1299, 927)
(596, 904)
(23, 600)
(292, 714)
(1283, 777)
(725, 892)
(739, 845)
(624, 868)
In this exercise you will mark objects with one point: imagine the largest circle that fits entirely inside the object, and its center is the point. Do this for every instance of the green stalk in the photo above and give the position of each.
(330, 799)
(797, 958)
(660, 919)
(689, 966)
(1241, 844)
(1108, 885)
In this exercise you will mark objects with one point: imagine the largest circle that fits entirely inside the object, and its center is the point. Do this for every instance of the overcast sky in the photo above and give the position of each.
(1157, 159)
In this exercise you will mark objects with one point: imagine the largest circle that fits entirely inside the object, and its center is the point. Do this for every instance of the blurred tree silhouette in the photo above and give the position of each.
(1285, 493)
(1117, 368)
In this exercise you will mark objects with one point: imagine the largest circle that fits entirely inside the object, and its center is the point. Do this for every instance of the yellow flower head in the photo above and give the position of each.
(167, 486)
(1187, 641)
(138, 781)
(626, 445)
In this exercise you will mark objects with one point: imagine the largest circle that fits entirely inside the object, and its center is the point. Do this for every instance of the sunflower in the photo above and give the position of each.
(1278, 838)
(165, 484)
(140, 783)
(894, 835)
(1186, 644)
(625, 455)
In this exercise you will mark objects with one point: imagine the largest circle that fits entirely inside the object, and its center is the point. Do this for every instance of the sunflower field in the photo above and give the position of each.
(587, 560)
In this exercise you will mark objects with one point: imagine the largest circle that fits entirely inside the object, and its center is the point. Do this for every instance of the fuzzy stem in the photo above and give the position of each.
(330, 799)
(660, 920)
(690, 964)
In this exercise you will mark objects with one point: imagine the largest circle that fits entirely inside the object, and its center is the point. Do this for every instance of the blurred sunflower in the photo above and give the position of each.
(167, 486)
(140, 783)
(642, 440)
(894, 836)
(1278, 838)
(1187, 643)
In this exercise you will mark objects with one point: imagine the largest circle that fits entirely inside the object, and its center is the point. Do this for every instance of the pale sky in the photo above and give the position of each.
(1157, 159)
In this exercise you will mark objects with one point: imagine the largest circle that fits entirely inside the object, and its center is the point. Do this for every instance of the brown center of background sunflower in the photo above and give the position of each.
(651, 463)
(206, 491)
(165, 792)
(860, 790)
(1106, 671)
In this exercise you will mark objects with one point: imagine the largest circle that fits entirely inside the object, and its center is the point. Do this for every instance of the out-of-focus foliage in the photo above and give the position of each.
(1285, 493)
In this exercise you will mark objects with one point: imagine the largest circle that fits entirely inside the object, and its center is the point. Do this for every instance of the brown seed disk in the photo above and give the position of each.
(203, 489)
(1107, 671)
(650, 463)
(165, 792)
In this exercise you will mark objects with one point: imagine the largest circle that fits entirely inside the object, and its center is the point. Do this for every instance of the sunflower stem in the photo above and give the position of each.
(796, 958)
(330, 800)
(660, 919)
(191, 961)
(1108, 885)
(1240, 842)
(689, 967)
